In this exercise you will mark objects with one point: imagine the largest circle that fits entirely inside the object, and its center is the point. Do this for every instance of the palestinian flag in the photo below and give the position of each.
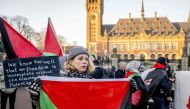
(156, 77)
(15, 44)
(72, 93)
(52, 46)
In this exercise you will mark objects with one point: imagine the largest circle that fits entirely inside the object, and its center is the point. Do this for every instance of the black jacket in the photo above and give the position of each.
(119, 73)
(164, 84)
(98, 73)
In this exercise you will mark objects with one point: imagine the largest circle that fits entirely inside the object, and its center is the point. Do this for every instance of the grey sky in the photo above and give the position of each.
(69, 16)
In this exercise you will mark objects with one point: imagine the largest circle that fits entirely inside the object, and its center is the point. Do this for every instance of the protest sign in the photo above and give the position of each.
(20, 72)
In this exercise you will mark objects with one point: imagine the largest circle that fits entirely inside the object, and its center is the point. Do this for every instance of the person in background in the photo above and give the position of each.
(132, 71)
(112, 72)
(6, 92)
(169, 95)
(120, 72)
(164, 83)
(99, 71)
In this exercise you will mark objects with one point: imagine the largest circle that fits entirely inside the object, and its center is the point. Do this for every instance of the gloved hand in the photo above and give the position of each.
(34, 89)
(134, 86)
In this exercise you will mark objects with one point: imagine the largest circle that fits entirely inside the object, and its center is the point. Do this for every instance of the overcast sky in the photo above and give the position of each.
(69, 16)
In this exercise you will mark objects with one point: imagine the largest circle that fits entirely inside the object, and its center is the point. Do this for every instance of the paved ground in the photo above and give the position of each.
(22, 99)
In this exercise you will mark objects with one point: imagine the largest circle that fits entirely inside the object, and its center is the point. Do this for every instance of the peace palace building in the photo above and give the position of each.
(135, 38)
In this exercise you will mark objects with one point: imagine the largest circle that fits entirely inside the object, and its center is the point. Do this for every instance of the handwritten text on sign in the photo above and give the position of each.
(20, 72)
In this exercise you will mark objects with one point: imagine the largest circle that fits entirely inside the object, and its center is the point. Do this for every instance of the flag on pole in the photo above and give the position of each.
(15, 44)
(52, 45)
(72, 93)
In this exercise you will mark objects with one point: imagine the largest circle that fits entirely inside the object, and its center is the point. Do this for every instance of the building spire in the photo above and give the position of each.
(142, 11)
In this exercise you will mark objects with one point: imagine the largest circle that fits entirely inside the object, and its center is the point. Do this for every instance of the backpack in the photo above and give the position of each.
(136, 96)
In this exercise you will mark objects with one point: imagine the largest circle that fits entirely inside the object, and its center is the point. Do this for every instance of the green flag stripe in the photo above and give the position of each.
(49, 54)
(45, 102)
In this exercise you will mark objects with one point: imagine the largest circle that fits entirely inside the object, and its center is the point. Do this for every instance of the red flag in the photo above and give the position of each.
(51, 43)
(64, 93)
(15, 44)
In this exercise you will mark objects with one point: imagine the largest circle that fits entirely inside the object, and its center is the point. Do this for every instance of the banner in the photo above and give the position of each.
(72, 93)
(182, 89)
(20, 72)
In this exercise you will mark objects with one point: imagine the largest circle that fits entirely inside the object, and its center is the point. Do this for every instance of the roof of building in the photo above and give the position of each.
(152, 26)
(185, 26)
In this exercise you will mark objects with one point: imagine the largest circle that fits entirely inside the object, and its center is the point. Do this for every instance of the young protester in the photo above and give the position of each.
(132, 71)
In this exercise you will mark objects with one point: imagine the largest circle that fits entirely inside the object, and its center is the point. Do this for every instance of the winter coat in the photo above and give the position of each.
(164, 84)
(132, 71)
(119, 73)
(98, 73)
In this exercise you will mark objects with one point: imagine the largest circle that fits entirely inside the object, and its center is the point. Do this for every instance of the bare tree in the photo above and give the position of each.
(22, 26)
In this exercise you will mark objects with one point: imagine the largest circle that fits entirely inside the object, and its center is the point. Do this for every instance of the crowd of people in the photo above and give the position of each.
(154, 83)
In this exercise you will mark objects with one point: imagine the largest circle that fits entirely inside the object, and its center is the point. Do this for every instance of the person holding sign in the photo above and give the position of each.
(6, 92)
(78, 65)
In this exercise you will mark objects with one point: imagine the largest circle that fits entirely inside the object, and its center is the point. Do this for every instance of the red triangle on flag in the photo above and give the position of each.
(16, 43)
(51, 43)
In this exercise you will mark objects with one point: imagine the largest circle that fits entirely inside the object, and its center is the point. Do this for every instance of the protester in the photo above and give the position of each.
(78, 65)
(99, 71)
(112, 72)
(120, 72)
(6, 92)
(160, 83)
(132, 71)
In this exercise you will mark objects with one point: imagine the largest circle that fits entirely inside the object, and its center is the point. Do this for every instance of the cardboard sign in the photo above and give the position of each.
(20, 72)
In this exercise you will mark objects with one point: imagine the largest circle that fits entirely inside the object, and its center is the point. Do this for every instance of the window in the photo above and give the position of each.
(159, 55)
(166, 55)
(142, 57)
(159, 46)
(125, 56)
(153, 56)
(174, 56)
(132, 56)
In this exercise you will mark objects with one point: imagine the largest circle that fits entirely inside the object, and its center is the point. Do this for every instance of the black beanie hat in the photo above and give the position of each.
(162, 61)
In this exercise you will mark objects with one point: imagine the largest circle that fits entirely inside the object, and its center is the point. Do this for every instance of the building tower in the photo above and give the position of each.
(142, 11)
(94, 9)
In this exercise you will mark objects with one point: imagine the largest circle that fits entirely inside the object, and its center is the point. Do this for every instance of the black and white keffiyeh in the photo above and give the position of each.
(75, 74)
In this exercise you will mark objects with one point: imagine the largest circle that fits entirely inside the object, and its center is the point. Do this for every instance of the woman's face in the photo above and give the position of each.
(80, 62)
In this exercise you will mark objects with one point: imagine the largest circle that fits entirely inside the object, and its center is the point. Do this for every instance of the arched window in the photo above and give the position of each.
(119, 56)
(174, 56)
(153, 56)
(125, 56)
(132, 56)
(142, 57)
(166, 55)
(159, 55)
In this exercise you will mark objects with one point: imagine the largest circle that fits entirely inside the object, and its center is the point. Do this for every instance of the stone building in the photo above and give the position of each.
(135, 38)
